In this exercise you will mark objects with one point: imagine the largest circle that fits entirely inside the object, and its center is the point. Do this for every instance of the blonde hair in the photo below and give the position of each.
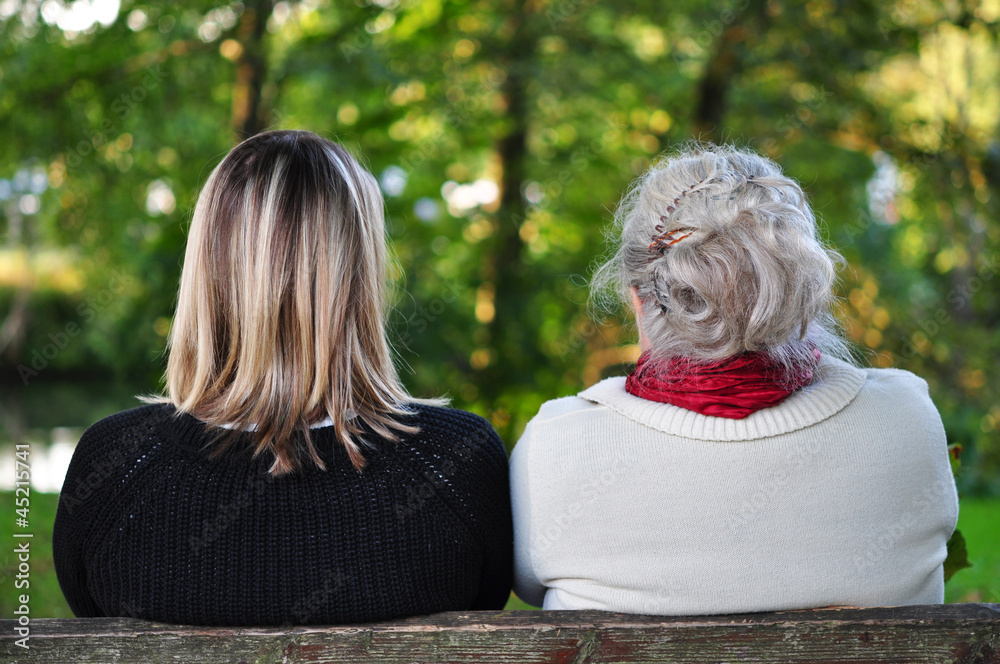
(280, 315)
(724, 255)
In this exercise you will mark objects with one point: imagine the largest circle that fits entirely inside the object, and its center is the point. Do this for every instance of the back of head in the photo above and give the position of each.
(723, 253)
(280, 314)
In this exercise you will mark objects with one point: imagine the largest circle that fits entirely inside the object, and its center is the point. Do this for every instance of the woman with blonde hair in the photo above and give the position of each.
(287, 477)
(746, 464)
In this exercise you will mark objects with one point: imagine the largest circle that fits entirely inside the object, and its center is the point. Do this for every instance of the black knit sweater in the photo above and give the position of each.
(150, 526)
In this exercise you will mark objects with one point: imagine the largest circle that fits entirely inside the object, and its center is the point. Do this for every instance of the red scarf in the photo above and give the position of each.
(731, 388)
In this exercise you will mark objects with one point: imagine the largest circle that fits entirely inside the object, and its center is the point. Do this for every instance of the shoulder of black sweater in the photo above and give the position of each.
(455, 453)
(120, 436)
(109, 448)
(135, 423)
(459, 426)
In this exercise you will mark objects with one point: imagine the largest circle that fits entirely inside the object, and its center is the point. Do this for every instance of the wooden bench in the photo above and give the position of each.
(966, 633)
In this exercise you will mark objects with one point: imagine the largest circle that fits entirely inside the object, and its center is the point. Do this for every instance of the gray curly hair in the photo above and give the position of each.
(724, 255)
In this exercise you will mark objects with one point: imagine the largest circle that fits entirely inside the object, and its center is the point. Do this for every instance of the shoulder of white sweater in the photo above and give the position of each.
(548, 415)
(557, 408)
(894, 379)
(904, 394)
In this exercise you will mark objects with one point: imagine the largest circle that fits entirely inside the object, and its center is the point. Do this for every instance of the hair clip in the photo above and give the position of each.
(660, 243)
(665, 239)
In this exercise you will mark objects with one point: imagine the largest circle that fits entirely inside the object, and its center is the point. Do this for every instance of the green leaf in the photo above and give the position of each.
(958, 557)
(955, 457)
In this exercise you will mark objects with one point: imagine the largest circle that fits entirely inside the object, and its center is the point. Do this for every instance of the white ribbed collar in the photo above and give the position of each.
(835, 384)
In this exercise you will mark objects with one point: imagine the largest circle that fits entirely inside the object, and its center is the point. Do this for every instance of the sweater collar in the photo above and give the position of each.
(835, 385)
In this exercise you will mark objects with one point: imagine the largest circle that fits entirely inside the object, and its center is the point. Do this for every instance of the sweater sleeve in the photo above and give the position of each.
(527, 585)
(495, 580)
(74, 518)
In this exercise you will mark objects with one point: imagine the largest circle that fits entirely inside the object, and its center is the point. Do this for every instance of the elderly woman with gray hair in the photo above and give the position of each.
(746, 464)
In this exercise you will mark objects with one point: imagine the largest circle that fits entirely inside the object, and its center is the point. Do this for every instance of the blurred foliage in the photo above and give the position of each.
(504, 133)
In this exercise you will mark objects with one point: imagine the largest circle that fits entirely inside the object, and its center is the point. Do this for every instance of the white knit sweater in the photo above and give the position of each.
(840, 495)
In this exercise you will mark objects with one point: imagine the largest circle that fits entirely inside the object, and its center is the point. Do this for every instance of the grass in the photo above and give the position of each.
(979, 522)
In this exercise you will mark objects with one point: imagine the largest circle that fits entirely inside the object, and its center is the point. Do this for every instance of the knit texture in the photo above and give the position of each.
(840, 495)
(150, 526)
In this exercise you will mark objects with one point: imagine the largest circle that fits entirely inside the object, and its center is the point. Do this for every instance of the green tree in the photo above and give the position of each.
(503, 135)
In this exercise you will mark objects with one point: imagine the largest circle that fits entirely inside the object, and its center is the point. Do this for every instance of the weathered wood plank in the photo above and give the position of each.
(961, 633)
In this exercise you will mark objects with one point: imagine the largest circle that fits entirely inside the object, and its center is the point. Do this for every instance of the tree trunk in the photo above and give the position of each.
(724, 65)
(512, 347)
(249, 115)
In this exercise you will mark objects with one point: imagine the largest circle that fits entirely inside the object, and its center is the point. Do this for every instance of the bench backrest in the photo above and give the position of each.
(967, 633)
